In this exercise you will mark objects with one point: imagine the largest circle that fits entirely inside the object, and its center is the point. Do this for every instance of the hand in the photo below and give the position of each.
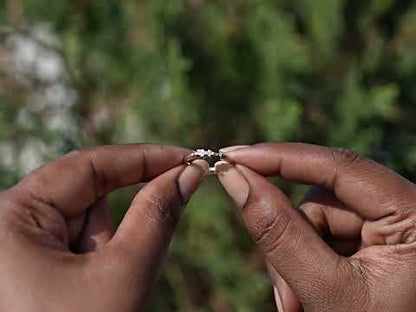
(352, 245)
(58, 248)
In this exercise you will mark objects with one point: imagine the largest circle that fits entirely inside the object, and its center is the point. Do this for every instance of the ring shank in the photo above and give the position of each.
(189, 159)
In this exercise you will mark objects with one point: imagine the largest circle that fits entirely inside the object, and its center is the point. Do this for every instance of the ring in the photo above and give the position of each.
(209, 156)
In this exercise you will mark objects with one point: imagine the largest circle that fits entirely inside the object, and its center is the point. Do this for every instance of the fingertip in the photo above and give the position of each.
(222, 167)
(233, 181)
(191, 178)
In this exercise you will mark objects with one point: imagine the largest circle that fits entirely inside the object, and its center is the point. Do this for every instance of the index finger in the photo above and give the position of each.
(74, 182)
(370, 189)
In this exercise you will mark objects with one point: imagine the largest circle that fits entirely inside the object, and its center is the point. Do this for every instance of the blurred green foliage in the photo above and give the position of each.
(209, 73)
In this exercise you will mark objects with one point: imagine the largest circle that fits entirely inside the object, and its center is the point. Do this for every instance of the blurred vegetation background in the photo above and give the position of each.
(207, 73)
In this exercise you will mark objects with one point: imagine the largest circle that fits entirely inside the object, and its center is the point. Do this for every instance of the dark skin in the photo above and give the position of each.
(60, 208)
(350, 245)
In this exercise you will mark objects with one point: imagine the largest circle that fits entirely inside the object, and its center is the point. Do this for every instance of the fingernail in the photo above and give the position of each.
(233, 181)
(278, 300)
(191, 178)
(233, 148)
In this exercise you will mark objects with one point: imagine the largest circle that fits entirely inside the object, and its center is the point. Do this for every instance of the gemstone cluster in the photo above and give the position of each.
(208, 155)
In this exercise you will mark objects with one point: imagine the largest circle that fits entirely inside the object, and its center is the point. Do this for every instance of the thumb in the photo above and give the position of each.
(315, 273)
(149, 223)
(147, 228)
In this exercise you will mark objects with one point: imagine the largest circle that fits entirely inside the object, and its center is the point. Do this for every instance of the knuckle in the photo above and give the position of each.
(78, 156)
(344, 157)
(77, 153)
(87, 160)
(269, 226)
(277, 235)
(34, 183)
(86, 152)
